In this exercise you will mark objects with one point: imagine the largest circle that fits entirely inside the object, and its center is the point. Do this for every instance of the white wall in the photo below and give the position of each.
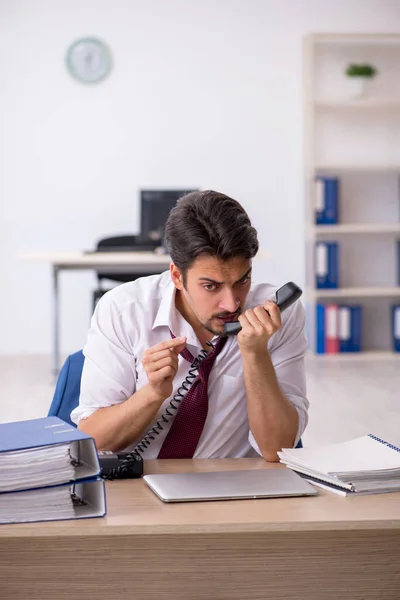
(204, 93)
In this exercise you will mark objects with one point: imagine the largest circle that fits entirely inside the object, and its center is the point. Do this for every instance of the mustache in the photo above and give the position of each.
(226, 315)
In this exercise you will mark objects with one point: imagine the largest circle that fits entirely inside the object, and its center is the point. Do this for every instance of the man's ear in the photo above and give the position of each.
(176, 276)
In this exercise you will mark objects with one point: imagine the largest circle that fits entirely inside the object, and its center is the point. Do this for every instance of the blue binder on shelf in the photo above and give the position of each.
(326, 200)
(320, 329)
(396, 327)
(326, 265)
(398, 262)
(350, 328)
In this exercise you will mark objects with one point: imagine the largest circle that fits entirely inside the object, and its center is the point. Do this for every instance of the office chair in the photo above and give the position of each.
(120, 243)
(68, 387)
(66, 394)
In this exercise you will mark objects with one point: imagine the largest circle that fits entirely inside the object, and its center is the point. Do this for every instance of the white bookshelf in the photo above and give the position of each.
(356, 292)
(363, 228)
(368, 104)
(356, 356)
(358, 141)
(357, 168)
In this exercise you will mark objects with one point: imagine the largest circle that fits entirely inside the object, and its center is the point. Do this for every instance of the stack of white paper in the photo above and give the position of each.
(37, 505)
(36, 467)
(366, 464)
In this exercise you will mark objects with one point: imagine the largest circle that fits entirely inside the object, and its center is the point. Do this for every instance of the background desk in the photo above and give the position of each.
(324, 547)
(113, 262)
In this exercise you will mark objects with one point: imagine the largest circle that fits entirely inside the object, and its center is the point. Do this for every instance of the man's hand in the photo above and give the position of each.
(161, 364)
(258, 325)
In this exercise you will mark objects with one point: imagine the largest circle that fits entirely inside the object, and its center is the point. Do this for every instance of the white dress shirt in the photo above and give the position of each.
(138, 315)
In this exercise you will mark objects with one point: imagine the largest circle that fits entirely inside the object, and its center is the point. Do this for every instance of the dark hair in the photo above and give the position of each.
(208, 223)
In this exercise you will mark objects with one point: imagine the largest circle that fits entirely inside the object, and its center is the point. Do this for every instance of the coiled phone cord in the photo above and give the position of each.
(169, 412)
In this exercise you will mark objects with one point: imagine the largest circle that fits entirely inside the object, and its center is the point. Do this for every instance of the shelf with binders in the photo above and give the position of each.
(355, 297)
(353, 327)
(360, 215)
(350, 202)
(352, 190)
(369, 263)
(354, 265)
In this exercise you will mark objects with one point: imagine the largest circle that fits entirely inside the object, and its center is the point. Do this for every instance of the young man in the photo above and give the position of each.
(250, 397)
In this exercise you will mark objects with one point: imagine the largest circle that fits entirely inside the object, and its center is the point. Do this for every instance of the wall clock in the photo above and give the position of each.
(88, 60)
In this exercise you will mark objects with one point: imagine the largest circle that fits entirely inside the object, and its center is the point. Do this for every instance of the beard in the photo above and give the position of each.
(208, 325)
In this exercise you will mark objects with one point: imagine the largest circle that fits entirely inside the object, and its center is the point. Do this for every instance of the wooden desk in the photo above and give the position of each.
(113, 262)
(324, 547)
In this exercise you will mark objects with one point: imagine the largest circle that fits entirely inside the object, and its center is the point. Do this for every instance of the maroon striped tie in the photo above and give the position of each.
(186, 429)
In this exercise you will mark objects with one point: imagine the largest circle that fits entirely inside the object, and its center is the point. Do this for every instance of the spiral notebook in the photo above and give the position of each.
(364, 465)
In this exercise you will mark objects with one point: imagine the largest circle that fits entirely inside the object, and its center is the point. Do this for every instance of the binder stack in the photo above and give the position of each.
(49, 471)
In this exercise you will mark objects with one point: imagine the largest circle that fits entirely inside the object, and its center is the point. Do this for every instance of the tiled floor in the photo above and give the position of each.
(347, 397)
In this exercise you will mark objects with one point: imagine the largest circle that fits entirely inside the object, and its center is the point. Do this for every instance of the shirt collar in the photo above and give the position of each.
(169, 317)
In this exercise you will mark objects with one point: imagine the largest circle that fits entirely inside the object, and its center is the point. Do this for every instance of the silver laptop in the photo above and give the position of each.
(229, 485)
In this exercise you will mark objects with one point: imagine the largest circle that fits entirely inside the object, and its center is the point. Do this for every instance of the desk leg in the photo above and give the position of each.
(56, 324)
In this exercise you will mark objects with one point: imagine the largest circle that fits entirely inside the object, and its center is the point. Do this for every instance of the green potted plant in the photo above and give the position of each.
(358, 75)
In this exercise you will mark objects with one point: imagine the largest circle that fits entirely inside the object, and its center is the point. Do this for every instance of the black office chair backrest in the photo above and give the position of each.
(123, 243)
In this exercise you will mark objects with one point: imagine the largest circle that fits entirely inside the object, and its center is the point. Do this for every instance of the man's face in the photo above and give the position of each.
(215, 291)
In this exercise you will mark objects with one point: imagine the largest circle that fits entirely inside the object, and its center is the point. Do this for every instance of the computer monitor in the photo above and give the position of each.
(155, 206)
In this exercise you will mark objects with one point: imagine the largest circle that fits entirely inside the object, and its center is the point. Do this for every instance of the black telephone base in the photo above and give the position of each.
(109, 461)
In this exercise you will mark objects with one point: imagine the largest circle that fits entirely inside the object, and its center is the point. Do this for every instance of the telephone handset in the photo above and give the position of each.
(123, 465)
(285, 296)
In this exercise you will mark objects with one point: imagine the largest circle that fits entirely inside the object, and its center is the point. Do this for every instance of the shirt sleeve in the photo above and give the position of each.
(109, 373)
(287, 351)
